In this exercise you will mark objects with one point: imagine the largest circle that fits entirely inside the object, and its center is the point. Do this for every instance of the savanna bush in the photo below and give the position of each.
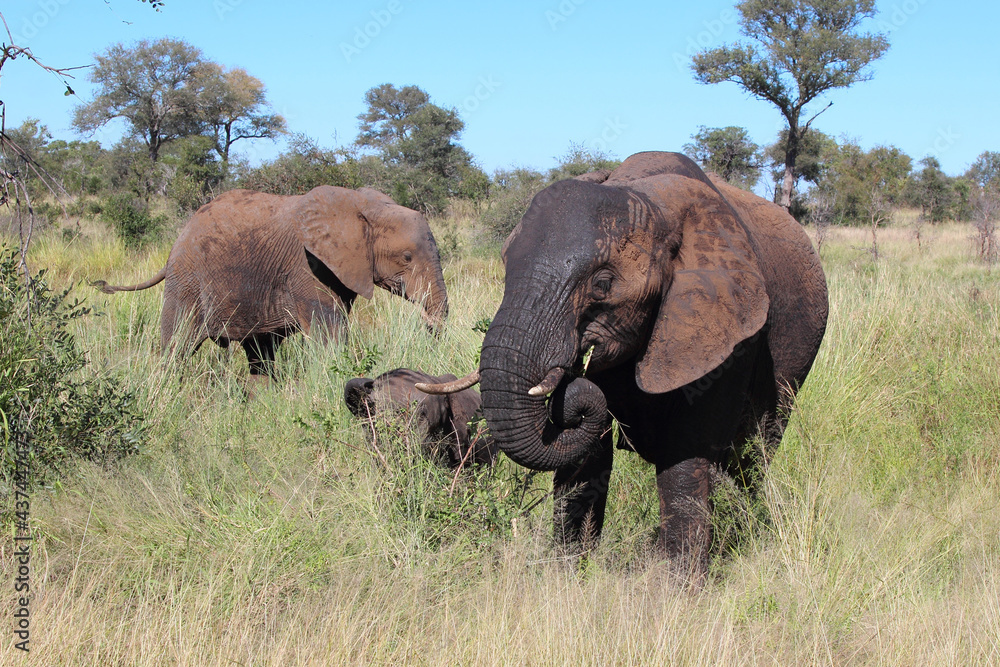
(46, 390)
(510, 196)
(131, 220)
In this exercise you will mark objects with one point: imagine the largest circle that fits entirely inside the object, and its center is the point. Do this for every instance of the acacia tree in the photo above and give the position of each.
(154, 86)
(417, 140)
(234, 107)
(799, 50)
(729, 152)
(389, 118)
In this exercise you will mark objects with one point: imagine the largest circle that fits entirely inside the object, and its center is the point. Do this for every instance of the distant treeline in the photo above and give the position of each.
(184, 115)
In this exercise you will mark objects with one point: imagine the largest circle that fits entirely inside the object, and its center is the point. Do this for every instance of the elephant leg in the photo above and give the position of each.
(581, 495)
(684, 490)
(763, 420)
(261, 349)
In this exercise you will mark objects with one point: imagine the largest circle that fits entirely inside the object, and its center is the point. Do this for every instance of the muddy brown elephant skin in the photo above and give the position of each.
(442, 419)
(252, 267)
(702, 307)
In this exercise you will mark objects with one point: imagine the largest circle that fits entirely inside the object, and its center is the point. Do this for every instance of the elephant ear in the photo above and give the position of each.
(506, 244)
(464, 405)
(717, 297)
(332, 228)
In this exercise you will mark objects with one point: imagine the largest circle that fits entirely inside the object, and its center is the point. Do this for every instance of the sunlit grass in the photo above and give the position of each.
(270, 531)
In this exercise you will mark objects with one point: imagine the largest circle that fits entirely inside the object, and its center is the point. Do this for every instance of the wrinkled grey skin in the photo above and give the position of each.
(443, 419)
(252, 268)
(705, 306)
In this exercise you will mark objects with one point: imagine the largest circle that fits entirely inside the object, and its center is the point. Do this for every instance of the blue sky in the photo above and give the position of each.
(528, 78)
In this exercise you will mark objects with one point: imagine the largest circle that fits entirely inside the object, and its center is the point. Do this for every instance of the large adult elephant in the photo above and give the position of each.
(689, 310)
(252, 267)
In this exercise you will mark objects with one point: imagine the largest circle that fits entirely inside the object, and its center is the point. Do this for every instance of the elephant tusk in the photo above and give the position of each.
(549, 384)
(452, 387)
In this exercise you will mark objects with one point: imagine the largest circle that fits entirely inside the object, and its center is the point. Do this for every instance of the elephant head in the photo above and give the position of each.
(366, 239)
(650, 267)
(444, 418)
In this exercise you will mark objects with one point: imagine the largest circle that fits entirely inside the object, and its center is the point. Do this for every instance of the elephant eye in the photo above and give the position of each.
(407, 256)
(601, 286)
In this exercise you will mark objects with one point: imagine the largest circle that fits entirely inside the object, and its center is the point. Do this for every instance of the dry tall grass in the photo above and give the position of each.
(267, 532)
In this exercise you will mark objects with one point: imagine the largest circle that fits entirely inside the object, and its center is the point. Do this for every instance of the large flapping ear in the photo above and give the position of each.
(332, 227)
(717, 296)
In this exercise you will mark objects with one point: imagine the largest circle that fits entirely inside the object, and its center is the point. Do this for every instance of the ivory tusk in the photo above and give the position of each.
(449, 387)
(549, 383)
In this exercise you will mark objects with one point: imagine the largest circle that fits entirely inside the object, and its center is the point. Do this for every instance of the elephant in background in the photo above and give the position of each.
(689, 310)
(443, 419)
(253, 267)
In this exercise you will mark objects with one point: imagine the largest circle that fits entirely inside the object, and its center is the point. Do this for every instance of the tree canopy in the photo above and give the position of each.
(151, 85)
(729, 152)
(233, 107)
(165, 90)
(418, 140)
(798, 50)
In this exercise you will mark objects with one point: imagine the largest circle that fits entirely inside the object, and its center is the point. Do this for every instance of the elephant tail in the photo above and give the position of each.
(111, 289)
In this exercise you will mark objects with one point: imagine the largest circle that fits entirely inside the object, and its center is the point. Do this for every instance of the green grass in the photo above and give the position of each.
(272, 531)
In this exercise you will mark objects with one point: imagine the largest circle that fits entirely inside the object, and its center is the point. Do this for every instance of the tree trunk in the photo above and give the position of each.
(791, 154)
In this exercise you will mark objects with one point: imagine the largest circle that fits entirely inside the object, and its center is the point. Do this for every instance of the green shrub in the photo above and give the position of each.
(510, 197)
(66, 413)
(131, 220)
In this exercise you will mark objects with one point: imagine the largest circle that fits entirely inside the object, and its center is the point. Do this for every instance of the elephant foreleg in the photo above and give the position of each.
(581, 495)
(684, 490)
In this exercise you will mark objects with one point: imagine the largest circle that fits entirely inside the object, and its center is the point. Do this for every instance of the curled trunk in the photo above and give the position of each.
(539, 433)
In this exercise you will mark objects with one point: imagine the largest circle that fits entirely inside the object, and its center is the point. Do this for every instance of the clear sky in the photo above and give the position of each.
(528, 78)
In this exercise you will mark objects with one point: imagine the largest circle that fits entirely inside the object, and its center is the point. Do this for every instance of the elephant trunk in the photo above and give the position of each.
(537, 433)
(426, 288)
(436, 304)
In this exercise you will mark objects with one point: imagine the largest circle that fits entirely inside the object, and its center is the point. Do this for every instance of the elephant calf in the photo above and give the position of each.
(444, 419)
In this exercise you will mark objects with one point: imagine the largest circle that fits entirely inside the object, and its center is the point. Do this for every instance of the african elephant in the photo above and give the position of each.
(253, 267)
(444, 419)
(687, 309)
